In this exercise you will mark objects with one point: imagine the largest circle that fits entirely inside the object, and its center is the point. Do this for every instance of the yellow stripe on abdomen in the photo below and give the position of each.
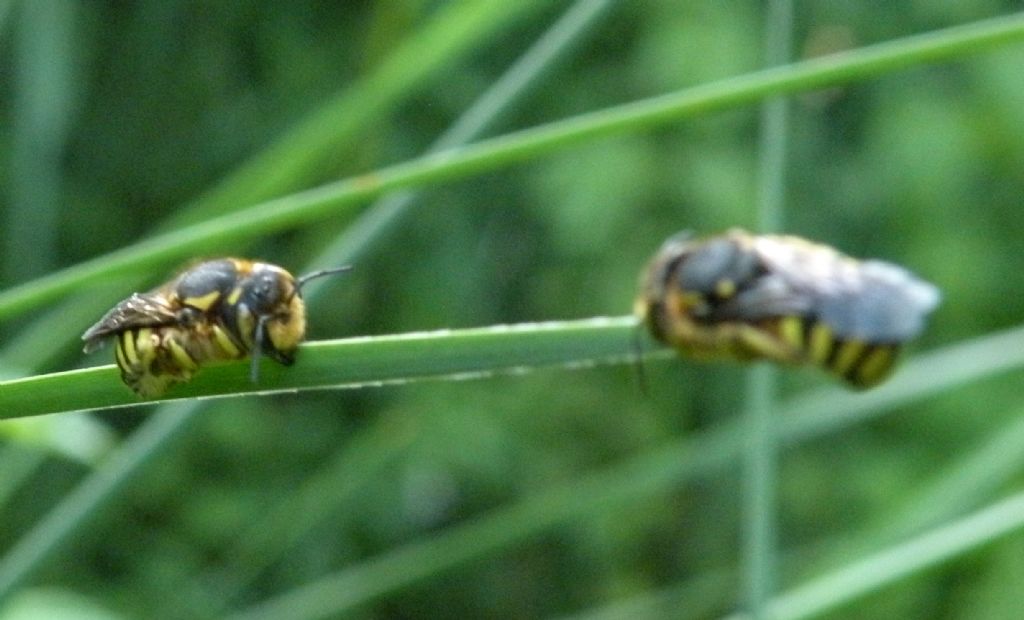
(791, 332)
(120, 356)
(875, 366)
(847, 355)
(126, 347)
(820, 344)
(180, 355)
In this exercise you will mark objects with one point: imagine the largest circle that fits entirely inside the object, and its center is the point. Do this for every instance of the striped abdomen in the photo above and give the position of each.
(152, 359)
(860, 363)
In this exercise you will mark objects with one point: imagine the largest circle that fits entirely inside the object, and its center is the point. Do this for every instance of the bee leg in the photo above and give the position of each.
(257, 350)
(754, 343)
(285, 359)
(638, 351)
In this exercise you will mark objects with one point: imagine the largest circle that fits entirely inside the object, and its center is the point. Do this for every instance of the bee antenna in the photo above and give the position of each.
(300, 282)
(257, 350)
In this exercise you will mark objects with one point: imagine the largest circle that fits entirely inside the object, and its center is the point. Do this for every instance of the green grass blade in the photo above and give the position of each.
(652, 472)
(21, 561)
(694, 599)
(254, 552)
(511, 87)
(965, 484)
(760, 469)
(656, 471)
(886, 567)
(961, 486)
(760, 553)
(43, 100)
(331, 199)
(294, 158)
(355, 362)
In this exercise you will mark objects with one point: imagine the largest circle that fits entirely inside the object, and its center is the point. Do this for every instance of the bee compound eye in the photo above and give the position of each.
(262, 293)
(706, 266)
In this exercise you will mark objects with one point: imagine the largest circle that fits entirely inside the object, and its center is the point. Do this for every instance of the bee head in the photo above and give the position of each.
(266, 291)
(274, 298)
(691, 277)
(269, 296)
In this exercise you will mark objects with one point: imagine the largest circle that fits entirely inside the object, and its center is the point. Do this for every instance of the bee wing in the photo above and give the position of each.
(770, 296)
(139, 310)
(879, 302)
(869, 300)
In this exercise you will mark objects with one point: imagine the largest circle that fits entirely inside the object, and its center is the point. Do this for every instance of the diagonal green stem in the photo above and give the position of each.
(295, 158)
(454, 163)
(896, 562)
(354, 362)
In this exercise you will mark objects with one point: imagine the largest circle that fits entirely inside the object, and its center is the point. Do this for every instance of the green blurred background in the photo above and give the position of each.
(114, 116)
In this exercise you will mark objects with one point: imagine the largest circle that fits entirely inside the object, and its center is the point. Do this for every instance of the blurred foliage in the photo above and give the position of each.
(150, 104)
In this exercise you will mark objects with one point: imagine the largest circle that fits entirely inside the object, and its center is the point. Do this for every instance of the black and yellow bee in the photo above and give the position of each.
(220, 309)
(783, 299)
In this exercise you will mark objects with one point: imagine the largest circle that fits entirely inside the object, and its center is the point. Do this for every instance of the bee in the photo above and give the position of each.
(221, 309)
(783, 299)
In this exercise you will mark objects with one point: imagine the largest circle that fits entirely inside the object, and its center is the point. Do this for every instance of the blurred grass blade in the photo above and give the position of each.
(964, 484)
(960, 486)
(886, 567)
(318, 203)
(78, 506)
(299, 156)
(698, 598)
(353, 469)
(19, 464)
(760, 472)
(41, 119)
(513, 86)
(655, 471)
(652, 472)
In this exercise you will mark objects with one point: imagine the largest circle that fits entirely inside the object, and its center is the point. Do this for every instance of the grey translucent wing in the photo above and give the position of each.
(884, 303)
(769, 296)
(784, 288)
(139, 310)
(872, 300)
